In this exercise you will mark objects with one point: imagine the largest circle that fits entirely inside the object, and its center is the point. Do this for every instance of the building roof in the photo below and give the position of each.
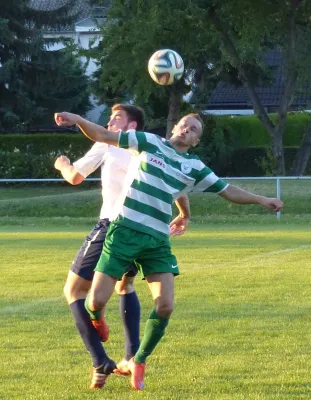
(232, 97)
(47, 5)
(82, 10)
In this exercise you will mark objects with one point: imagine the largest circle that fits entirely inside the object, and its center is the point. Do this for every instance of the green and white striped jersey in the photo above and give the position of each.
(163, 176)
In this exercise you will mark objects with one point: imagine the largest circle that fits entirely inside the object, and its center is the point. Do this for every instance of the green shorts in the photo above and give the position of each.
(124, 245)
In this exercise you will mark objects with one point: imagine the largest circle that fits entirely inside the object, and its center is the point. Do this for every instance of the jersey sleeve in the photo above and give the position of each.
(134, 140)
(93, 159)
(207, 181)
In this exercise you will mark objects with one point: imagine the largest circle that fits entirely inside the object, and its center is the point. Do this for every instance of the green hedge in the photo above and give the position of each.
(231, 146)
(238, 146)
(44, 143)
(33, 155)
(242, 162)
(248, 162)
(248, 131)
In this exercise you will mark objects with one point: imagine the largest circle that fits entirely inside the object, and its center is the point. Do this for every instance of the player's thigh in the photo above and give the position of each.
(161, 286)
(101, 290)
(121, 248)
(90, 252)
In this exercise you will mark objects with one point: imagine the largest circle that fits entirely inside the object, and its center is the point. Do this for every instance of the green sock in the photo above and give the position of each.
(154, 330)
(94, 314)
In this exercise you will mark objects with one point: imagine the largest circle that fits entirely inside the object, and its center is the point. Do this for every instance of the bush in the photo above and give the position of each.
(239, 146)
(249, 162)
(248, 131)
(33, 155)
(231, 146)
(44, 143)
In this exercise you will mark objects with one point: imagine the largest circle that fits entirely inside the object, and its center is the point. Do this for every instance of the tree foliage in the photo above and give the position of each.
(282, 25)
(220, 40)
(32, 79)
(57, 82)
(134, 31)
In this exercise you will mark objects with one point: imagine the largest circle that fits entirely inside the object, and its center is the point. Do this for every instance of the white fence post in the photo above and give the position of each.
(278, 194)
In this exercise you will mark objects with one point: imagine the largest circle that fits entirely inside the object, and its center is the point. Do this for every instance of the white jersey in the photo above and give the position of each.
(118, 168)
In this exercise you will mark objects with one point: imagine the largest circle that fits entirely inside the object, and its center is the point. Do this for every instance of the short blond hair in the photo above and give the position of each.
(197, 117)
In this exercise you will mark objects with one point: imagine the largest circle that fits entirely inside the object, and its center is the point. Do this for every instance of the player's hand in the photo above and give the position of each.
(272, 203)
(66, 119)
(179, 225)
(61, 162)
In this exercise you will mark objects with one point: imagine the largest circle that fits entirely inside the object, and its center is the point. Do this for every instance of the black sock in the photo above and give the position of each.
(88, 333)
(130, 314)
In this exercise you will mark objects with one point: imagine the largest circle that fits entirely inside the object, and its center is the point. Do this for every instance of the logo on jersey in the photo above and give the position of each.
(186, 168)
(159, 162)
(159, 154)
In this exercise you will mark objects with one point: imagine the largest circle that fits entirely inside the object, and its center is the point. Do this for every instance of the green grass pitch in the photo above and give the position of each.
(241, 328)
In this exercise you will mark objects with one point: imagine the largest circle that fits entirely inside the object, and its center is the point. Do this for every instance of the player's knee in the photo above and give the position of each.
(71, 294)
(68, 292)
(96, 302)
(75, 291)
(165, 309)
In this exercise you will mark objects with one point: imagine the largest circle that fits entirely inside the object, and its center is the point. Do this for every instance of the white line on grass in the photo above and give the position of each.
(263, 256)
(29, 305)
(260, 257)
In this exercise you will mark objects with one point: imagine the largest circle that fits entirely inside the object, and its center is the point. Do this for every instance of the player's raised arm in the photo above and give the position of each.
(240, 196)
(95, 132)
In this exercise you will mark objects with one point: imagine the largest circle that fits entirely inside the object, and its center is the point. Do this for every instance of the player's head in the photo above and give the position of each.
(125, 116)
(188, 130)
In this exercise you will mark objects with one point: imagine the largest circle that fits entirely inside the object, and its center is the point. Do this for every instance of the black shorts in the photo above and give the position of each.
(88, 255)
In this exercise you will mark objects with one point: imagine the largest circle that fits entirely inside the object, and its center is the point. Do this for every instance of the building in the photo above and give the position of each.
(84, 32)
(230, 99)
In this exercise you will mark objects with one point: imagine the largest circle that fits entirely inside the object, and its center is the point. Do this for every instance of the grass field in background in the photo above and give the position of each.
(241, 328)
(63, 203)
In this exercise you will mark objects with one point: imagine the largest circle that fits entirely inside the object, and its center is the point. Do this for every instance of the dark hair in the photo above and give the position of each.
(197, 117)
(134, 113)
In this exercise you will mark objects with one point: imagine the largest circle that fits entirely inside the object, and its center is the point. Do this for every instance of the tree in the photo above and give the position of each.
(285, 25)
(214, 37)
(25, 63)
(57, 81)
(134, 30)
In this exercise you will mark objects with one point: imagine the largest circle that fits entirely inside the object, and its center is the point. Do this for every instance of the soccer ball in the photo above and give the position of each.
(165, 67)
